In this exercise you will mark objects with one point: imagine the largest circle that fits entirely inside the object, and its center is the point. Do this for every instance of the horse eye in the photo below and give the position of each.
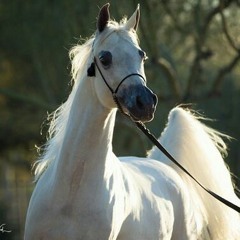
(105, 58)
(142, 55)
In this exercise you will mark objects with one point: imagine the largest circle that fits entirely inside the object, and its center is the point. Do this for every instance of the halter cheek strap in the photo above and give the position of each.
(92, 73)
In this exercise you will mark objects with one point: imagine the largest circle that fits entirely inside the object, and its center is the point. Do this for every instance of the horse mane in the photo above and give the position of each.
(79, 56)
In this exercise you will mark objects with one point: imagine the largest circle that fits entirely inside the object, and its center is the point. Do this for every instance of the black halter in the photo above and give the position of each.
(92, 73)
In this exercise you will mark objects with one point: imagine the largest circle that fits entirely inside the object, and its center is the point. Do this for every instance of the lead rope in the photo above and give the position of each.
(154, 140)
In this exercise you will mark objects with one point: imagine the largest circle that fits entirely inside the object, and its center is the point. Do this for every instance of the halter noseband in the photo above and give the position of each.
(92, 73)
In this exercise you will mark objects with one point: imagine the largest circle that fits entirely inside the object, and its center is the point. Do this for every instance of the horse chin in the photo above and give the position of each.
(136, 116)
(143, 118)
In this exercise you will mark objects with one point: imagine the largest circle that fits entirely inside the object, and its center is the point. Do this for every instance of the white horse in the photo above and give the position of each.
(85, 192)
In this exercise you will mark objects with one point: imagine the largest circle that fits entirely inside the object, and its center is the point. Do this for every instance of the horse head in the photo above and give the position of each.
(118, 65)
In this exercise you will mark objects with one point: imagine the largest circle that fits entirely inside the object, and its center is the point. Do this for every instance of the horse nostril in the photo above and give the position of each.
(139, 102)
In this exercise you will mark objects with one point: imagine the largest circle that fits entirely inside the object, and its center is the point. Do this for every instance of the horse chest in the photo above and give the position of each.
(71, 223)
(152, 224)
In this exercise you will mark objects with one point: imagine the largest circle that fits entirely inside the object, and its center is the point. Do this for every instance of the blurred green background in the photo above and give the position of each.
(194, 54)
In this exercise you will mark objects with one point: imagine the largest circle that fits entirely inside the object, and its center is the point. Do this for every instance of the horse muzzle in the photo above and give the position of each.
(137, 101)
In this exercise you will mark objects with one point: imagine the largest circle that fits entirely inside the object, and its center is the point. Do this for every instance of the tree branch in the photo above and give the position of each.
(199, 44)
(215, 90)
(229, 67)
(226, 32)
(171, 75)
(223, 4)
(173, 17)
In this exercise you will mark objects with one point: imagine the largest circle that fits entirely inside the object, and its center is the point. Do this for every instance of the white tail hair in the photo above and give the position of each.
(200, 150)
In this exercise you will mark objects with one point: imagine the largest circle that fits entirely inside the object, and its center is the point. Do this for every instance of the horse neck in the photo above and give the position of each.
(88, 138)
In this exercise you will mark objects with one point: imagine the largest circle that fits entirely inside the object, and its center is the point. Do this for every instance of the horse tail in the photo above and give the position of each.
(200, 150)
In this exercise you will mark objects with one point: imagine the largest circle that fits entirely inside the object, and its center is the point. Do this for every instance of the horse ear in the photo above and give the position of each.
(103, 17)
(133, 21)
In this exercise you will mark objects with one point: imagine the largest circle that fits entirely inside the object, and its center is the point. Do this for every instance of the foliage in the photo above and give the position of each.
(193, 48)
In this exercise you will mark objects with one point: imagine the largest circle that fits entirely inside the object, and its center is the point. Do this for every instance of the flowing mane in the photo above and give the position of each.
(58, 119)
(79, 56)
